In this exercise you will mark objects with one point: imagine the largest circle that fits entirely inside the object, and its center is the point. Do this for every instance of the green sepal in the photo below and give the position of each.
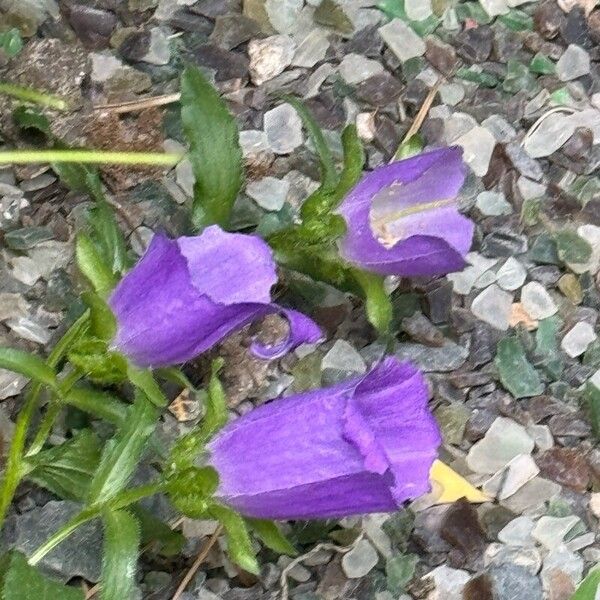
(92, 265)
(271, 536)
(191, 490)
(92, 356)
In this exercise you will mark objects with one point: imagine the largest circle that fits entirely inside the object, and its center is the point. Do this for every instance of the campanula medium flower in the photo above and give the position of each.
(365, 445)
(402, 219)
(185, 295)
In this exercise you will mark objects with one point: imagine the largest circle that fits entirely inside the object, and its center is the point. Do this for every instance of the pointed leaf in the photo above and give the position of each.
(93, 266)
(191, 490)
(144, 380)
(20, 581)
(98, 403)
(27, 364)
(122, 454)
(239, 545)
(166, 541)
(120, 555)
(588, 588)
(67, 470)
(215, 151)
(354, 162)
(216, 403)
(271, 536)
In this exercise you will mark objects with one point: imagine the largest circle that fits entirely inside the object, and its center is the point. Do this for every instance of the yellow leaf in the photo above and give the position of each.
(448, 486)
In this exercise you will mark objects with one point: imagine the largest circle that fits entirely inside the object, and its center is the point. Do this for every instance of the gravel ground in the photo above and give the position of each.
(509, 344)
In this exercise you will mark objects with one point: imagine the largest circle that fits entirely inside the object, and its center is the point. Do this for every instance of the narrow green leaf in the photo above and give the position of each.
(239, 545)
(11, 42)
(122, 454)
(329, 176)
(216, 403)
(27, 364)
(410, 147)
(67, 470)
(120, 555)
(92, 265)
(191, 490)
(98, 403)
(74, 175)
(215, 152)
(144, 380)
(103, 324)
(588, 588)
(271, 536)
(29, 118)
(378, 303)
(167, 541)
(20, 581)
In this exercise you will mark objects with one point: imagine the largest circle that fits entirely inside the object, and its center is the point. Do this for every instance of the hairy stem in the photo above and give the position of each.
(89, 156)
(30, 95)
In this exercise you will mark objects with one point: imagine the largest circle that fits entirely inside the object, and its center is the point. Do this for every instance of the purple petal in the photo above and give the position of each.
(403, 218)
(166, 306)
(230, 267)
(365, 445)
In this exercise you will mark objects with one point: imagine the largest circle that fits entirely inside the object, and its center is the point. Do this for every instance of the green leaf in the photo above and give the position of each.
(91, 355)
(215, 152)
(589, 586)
(120, 555)
(20, 581)
(239, 545)
(144, 380)
(191, 490)
(271, 536)
(30, 118)
(98, 403)
(93, 266)
(215, 416)
(103, 324)
(154, 531)
(377, 301)
(413, 145)
(27, 364)
(329, 176)
(122, 454)
(67, 470)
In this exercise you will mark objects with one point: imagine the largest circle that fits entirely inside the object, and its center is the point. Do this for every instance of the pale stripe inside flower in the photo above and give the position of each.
(385, 218)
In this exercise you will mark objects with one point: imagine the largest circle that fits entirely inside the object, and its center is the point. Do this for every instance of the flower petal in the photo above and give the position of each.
(403, 218)
(388, 420)
(230, 267)
(302, 330)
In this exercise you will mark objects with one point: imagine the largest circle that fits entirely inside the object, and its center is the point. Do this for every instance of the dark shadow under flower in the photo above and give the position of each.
(186, 295)
(365, 445)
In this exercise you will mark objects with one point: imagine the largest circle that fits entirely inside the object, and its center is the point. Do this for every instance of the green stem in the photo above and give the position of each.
(52, 412)
(99, 404)
(121, 500)
(89, 156)
(13, 469)
(30, 95)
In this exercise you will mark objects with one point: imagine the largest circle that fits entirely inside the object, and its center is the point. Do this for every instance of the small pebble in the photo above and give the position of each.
(269, 193)
(577, 340)
(360, 560)
(537, 301)
(269, 57)
(493, 306)
(402, 40)
(283, 127)
(574, 63)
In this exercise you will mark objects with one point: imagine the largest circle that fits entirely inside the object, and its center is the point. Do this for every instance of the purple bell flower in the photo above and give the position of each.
(364, 445)
(186, 295)
(403, 218)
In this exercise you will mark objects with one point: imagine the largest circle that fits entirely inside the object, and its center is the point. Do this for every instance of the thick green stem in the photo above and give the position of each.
(121, 500)
(21, 157)
(13, 469)
(30, 95)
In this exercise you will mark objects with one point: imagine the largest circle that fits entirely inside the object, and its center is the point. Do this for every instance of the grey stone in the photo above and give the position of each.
(463, 281)
(537, 302)
(159, 51)
(577, 339)
(11, 384)
(518, 532)
(402, 40)
(360, 560)
(478, 145)
(500, 128)
(574, 63)
(551, 531)
(418, 10)
(512, 582)
(355, 68)
(511, 275)
(449, 583)
(533, 496)
(562, 559)
(493, 306)
(28, 329)
(269, 57)
(446, 358)
(504, 440)
(78, 556)
(311, 49)
(495, 7)
(269, 193)
(341, 362)
(493, 204)
(283, 127)
(528, 558)
(284, 14)
(512, 478)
